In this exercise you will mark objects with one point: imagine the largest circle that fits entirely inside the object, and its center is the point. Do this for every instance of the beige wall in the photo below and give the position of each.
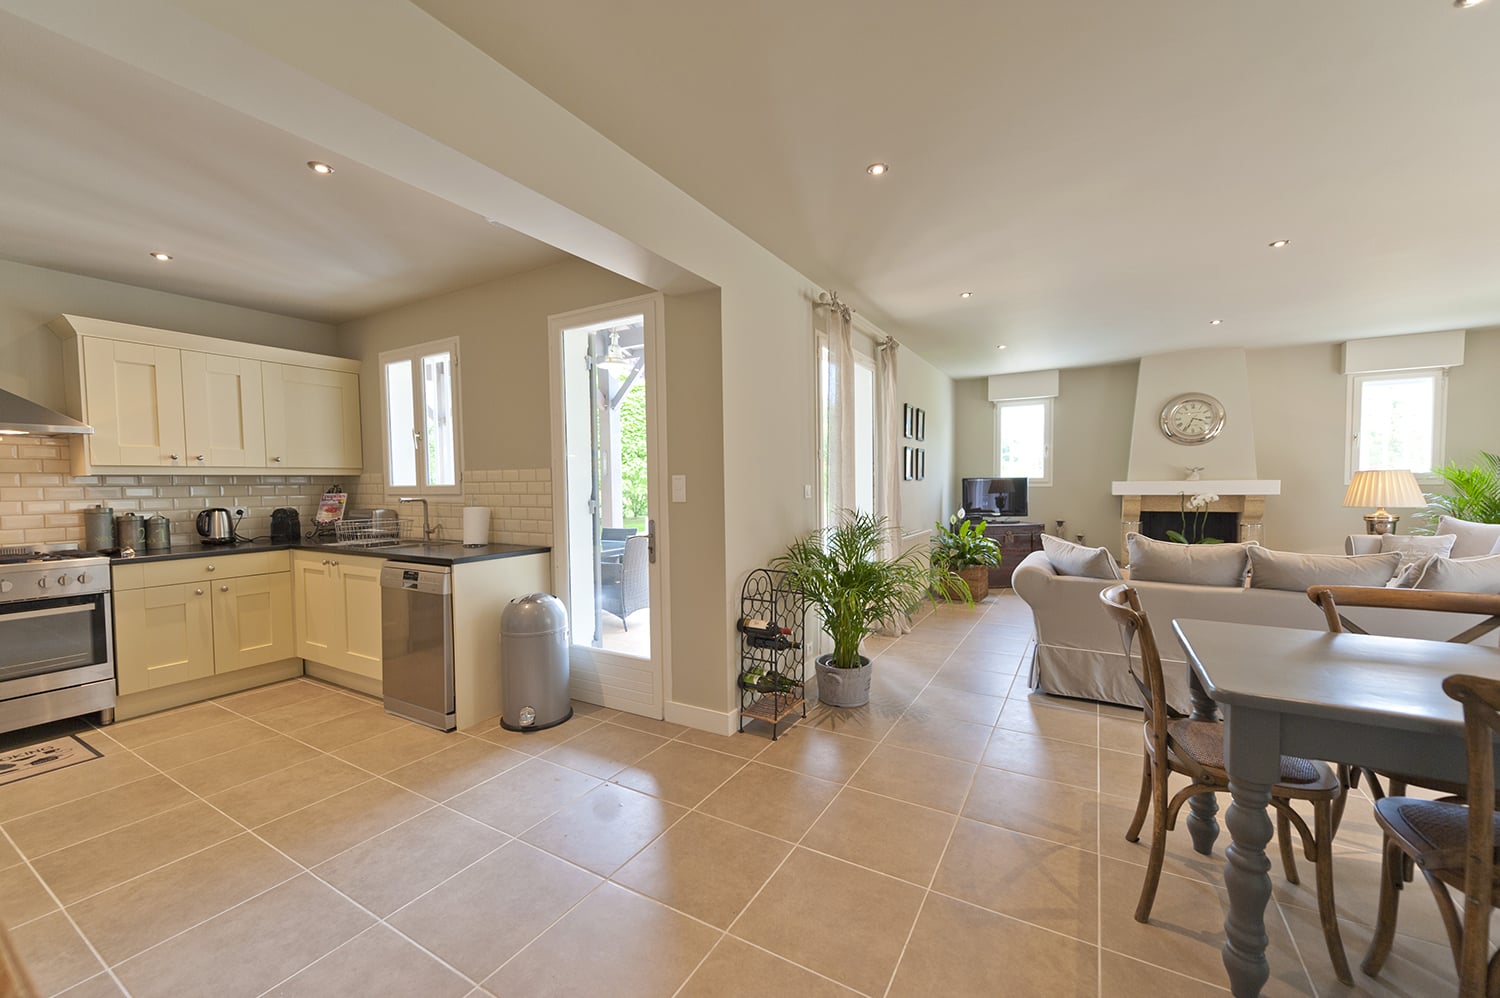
(31, 356)
(1220, 373)
(931, 500)
(502, 346)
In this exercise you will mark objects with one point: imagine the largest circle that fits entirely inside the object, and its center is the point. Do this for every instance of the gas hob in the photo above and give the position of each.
(40, 572)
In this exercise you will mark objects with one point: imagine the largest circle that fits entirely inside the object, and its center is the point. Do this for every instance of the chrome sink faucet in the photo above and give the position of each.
(427, 529)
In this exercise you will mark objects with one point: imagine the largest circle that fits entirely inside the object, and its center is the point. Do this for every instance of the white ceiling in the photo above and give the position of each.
(102, 164)
(1105, 176)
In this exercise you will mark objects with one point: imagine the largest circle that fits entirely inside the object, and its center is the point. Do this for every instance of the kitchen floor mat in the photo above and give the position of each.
(44, 757)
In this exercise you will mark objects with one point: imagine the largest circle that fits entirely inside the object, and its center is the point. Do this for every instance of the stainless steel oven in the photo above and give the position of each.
(56, 637)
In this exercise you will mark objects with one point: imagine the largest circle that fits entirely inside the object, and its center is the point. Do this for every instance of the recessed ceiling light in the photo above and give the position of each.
(966, 294)
(162, 257)
(321, 169)
(1216, 322)
(1000, 347)
(878, 169)
(1281, 244)
(1467, 3)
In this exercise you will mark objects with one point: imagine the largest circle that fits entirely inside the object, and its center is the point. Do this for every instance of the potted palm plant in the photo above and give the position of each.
(962, 549)
(840, 572)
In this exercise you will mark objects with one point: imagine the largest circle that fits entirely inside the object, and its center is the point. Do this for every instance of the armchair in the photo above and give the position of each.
(624, 585)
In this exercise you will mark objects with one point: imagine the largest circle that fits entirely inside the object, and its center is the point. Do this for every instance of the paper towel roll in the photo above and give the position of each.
(476, 526)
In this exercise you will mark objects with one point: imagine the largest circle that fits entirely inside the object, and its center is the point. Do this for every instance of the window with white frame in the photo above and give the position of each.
(420, 401)
(1023, 440)
(1396, 420)
(861, 492)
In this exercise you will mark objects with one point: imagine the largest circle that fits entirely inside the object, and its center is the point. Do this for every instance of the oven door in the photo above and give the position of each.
(51, 644)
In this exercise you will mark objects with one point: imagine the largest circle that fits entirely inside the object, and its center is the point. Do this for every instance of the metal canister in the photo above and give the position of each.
(158, 533)
(99, 528)
(130, 531)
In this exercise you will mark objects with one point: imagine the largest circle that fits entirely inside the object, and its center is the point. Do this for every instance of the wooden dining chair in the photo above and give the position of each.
(1453, 844)
(1175, 743)
(1330, 598)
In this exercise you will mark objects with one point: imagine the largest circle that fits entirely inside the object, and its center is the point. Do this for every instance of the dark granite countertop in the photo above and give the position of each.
(427, 554)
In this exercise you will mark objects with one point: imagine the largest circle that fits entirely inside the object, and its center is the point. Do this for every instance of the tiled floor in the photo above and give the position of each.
(955, 837)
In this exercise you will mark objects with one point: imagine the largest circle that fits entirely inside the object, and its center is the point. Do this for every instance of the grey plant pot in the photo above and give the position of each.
(843, 687)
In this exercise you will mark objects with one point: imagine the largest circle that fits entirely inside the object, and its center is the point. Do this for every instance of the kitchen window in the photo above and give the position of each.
(1396, 420)
(423, 446)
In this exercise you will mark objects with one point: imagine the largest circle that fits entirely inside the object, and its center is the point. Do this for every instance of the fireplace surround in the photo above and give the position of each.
(1244, 498)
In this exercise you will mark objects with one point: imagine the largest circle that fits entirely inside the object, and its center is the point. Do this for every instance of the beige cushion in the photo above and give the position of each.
(1406, 577)
(1470, 540)
(1416, 548)
(1296, 572)
(1192, 564)
(1468, 575)
(1076, 560)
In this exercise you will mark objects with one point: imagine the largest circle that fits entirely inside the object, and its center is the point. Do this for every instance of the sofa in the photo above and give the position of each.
(1078, 652)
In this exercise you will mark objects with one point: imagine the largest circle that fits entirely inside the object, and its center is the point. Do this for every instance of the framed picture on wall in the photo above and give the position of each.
(906, 420)
(919, 421)
(921, 464)
(908, 463)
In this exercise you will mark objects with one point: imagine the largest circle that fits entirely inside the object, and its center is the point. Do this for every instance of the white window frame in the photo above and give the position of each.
(1353, 417)
(414, 354)
(820, 348)
(1046, 404)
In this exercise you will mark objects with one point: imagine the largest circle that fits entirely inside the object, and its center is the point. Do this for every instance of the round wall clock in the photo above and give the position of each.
(1193, 418)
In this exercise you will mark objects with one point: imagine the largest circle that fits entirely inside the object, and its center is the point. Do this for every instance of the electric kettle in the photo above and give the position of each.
(215, 526)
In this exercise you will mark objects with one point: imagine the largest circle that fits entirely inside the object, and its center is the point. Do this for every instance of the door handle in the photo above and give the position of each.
(651, 541)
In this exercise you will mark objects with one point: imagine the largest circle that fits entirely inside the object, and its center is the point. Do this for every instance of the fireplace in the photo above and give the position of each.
(1223, 526)
(1151, 508)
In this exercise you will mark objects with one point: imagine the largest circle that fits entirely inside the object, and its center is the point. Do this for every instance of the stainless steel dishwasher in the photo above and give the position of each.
(416, 620)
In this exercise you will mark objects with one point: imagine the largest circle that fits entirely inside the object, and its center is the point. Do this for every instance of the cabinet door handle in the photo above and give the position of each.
(325, 561)
(172, 456)
(223, 589)
(276, 459)
(198, 458)
(210, 568)
(334, 563)
(198, 591)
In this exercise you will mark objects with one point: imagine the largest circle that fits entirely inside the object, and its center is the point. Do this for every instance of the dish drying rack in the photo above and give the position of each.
(373, 533)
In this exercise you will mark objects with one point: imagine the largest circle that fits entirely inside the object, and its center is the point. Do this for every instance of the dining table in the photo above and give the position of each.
(1362, 699)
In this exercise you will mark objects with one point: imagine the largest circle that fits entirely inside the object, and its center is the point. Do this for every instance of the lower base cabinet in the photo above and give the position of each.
(337, 599)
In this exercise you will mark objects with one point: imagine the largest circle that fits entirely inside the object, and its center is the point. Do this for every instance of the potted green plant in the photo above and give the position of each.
(840, 572)
(1473, 493)
(962, 549)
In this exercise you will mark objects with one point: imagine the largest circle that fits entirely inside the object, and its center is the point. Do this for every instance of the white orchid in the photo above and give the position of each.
(1202, 500)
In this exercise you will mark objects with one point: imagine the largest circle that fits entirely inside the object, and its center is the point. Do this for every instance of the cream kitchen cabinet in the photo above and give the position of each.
(337, 599)
(159, 399)
(194, 620)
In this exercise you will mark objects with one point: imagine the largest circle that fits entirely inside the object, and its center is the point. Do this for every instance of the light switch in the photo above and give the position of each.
(807, 491)
(679, 488)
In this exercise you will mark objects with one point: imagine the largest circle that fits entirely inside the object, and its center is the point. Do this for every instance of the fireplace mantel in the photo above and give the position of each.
(1222, 486)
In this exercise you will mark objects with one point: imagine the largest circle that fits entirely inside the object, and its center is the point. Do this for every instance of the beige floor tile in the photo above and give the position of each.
(603, 829)
(383, 753)
(54, 954)
(815, 904)
(1061, 703)
(249, 948)
(1040, 882)
(327, 828)
(63, 785)
(958, 950)
(815, 752)
(68, 824)
(242, 765)
(743, 745)
(536, 742)
(966, 679)
(704, 867)
(893, 688)
(8, 855)
(273, 697)
(22, 897)
(1120, 734)
(520, 797)
(387, 966)
(296, 717)
(1038, 717)
(1128, 978)
(179, 750)
(680, 773)
(98, 986)
(115, 857)
(594, 710)
(972, 708)
(914, 651)
(1046, 759)
(139, 913)
(142, 731)
(465, 763)
(398, 865)
(872, 721)
(479, 920)
(775, 801)
(942, 736)
(650, 725)
(604, 750)
(1047, 810)
(1413, 968)
(364, 722)
(734, 962)
(277, 794)
(985, 651)
(614, 943)
(1120, 772)
(884, 834)
(1186, 931)
(1180, 859)
(915, 777)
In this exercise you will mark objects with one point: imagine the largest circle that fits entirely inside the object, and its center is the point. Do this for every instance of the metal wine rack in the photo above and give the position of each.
(772, 681)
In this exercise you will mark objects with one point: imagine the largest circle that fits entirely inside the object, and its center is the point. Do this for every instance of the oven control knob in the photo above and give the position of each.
(62, 580)
(42, 583)
(5, 586)
(82, 577)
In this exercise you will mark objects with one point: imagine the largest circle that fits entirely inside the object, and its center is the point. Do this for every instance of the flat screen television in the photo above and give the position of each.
(994, 497)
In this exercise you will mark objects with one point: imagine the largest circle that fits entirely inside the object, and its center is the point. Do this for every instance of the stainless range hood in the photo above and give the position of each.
(23, 417)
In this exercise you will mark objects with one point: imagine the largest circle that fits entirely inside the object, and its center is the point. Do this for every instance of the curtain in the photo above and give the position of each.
(888, 458)
(840, 395)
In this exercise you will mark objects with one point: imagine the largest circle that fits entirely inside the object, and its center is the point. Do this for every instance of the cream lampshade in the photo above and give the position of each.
(1381, 489)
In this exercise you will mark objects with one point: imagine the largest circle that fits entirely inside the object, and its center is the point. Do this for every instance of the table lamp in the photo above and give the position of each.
(1381, 489)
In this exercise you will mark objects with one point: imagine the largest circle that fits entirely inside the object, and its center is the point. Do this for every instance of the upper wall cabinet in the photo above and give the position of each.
(159, 399)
